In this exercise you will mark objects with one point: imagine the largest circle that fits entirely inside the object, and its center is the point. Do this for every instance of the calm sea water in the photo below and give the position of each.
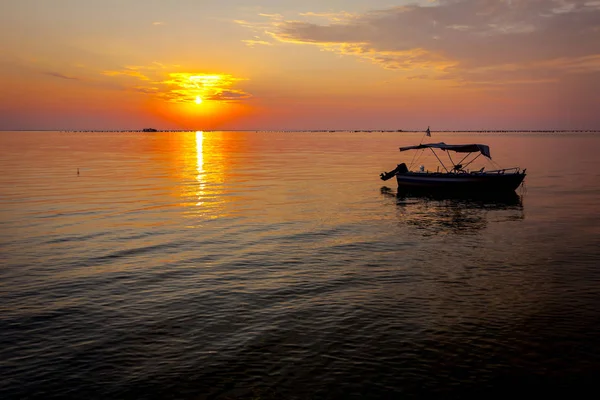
(278, 266)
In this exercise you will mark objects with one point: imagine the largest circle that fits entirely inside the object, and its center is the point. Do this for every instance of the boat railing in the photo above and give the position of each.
(515, 170)
(482, 171)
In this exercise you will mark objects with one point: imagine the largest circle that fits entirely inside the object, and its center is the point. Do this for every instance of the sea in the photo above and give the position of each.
(277, 265)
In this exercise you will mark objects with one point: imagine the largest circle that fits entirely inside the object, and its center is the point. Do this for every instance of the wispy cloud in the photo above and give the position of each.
(254, 42)
(457, 39)
(158, 23)
(139, 71)
(342, 16)
(61, 76)
(182, 87)
(259, 26)
(127, 72)
(277, 17)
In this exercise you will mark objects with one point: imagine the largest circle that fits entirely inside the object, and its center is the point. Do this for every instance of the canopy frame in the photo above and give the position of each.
(436, 156)
(459, 148)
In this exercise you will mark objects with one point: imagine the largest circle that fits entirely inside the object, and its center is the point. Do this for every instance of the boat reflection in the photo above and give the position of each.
(456, 214)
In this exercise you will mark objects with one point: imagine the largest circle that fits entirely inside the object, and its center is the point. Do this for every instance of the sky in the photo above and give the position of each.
(311, 64)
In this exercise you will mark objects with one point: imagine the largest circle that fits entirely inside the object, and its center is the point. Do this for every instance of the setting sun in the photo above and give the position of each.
(198, 100)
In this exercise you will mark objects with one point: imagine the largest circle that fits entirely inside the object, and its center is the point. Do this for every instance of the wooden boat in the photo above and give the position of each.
(458, 178)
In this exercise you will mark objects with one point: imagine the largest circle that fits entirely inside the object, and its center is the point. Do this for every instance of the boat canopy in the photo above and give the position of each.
(459, 148)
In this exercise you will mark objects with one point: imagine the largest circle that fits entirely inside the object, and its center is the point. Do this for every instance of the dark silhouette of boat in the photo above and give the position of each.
(457, 179)
(149, 130)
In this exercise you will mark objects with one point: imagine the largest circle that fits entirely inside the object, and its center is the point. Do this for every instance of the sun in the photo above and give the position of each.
(198, 100)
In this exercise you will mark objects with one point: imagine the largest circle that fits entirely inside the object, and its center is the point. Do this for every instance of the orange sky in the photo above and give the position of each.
(451, 64)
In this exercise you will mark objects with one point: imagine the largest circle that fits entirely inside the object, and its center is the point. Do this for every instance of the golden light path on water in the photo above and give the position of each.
(200, 167)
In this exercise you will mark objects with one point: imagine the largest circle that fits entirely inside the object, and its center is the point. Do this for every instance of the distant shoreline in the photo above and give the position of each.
(312, 130)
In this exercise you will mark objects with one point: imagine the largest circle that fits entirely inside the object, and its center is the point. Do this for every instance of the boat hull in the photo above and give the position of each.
(460, 183)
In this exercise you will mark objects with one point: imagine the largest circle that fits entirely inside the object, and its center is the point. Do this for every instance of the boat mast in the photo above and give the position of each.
(427, 133)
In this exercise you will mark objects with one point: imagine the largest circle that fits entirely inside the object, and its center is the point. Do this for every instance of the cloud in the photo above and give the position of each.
(330, 16)
(464, 40)
(182, 87)
(253, 42)
(158, 23)
(135, 71)
(259, 26)
(61, 76)
(422, 76)
(229, 95)
(272, 16)
(127, 71)
(145, 90)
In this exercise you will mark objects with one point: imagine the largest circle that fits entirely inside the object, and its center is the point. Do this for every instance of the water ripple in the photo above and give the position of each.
(179, 268)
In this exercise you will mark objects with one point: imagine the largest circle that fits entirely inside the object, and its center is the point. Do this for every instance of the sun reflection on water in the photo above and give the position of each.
(200, 167)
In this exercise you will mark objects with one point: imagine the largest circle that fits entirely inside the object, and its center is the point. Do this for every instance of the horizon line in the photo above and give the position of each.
(305, 130)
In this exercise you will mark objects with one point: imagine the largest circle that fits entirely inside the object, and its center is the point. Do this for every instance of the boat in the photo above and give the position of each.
(457, 178)
(149, 130)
